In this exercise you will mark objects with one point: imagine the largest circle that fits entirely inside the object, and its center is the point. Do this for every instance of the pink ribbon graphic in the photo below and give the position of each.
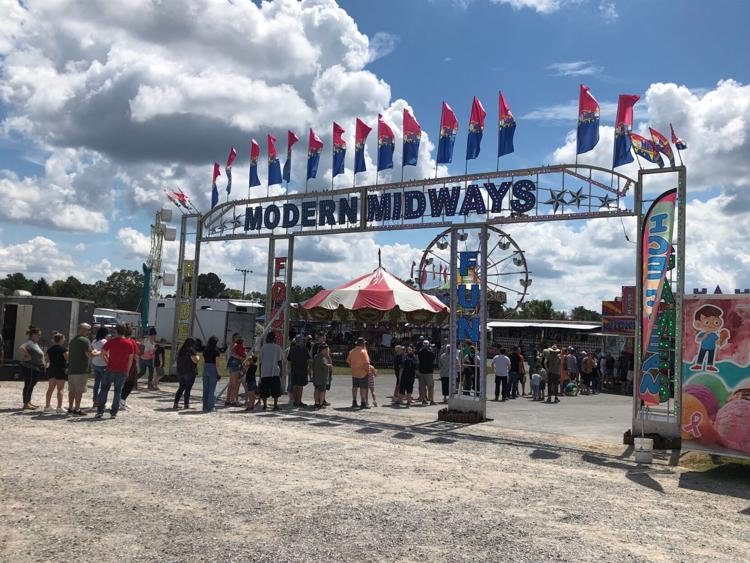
(692, 426)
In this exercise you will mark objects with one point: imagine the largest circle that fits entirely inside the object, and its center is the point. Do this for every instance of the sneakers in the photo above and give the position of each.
(123, 406)
(98, 415)
(557, 400)
(59, 410)
(433, 403)
(47, 409)
(374, 403)
(364, 406)
(713, 369)
(354, 404)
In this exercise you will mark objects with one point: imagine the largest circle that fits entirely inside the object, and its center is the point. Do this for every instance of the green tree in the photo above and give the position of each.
(581, 313)
(124, 288)
(16, 281)
(540, 309)
(71, 287)
(210, 286)
(231, 294)
(41, 287)
(300, 294)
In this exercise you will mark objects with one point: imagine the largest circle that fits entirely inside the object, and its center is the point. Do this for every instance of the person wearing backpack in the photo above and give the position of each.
(552, 362)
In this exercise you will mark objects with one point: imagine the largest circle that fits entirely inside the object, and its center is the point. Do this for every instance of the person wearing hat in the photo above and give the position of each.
(552, 362)
(359, 362)
(299, 359)
(79, 353)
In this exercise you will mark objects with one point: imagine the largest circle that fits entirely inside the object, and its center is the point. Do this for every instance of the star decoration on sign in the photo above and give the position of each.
(577, 197)
(556, 199)
(606, 201)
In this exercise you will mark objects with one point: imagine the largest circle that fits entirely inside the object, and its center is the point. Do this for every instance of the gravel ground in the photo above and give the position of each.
(339, 485)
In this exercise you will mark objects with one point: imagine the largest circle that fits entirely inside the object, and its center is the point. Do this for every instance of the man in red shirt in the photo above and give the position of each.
(118, 353)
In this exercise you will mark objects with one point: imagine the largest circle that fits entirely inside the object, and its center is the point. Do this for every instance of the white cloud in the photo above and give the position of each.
(574, 68)
(608, 11)
(382, 44)
(136, 244)
(541, 6)
(568, 112)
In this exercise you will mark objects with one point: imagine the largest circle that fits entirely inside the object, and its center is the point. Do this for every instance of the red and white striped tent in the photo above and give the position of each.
(375, 297)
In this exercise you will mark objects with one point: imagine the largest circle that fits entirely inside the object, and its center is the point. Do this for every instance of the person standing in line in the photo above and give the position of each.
(237, 356)
(371, 375)
(79, 354)
(120, 355)
(271, 356)
(99, 362)
(552, 362)
(426, 370)
(160, 358)
(522, 372)
(588, 368)
(131, 380)
(57, 360)
(210, 373)
(408, 374)
(444, 365)
(513, 374)
(536, 386)
(251, 385)
(32, 362)
(299, 364)
(398, 359)
(146, 359)
(359, 361)
(501, 365)
(571, 364)
(187, 369)
(314, 352)
(470, 371)
(322, 367)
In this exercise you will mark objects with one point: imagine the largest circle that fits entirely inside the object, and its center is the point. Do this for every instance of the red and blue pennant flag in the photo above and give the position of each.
(228, 168)
(291, 138)
(214, 189)
(314, 148)
(679, 143)
(386, 144)
(476, 128)
(182, 198)
(274, 166)
(506, 128)
(448, 130)
(662, 145)
(623, 125)
(339, 150)
(412, 136)
(177, 205)
(254, 156)
(360, 138)
(588, 121)
(646, 148)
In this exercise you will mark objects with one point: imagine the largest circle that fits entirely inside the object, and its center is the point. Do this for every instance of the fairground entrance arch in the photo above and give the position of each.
(463, 204)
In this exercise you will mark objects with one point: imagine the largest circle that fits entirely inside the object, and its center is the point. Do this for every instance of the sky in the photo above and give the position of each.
(102, 108)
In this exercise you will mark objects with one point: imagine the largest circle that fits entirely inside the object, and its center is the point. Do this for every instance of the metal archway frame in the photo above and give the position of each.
(227, 221)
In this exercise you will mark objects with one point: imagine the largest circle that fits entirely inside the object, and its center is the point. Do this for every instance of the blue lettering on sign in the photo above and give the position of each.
(468, 327)
(445, 202)
(524, 198)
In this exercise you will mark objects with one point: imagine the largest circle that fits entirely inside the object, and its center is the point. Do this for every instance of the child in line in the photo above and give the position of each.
(542, 383)
(536, 383)
(371, 375)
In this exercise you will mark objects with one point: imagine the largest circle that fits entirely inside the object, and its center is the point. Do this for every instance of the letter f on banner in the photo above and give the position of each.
(467, 260)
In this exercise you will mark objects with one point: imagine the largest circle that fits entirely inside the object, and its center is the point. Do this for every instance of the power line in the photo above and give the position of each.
(244, 272)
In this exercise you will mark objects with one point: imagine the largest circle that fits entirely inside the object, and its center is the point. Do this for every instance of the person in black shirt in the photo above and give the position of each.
(426, 369)
(160, 354)
(57, 357)
(210, 373)
(398, 363)
(251, 384)
(187, 368)
(515, 369)
(408, 373)
(314, 352)
(299, 364)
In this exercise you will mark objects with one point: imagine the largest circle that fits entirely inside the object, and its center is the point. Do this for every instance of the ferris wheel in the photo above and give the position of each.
(507, 272)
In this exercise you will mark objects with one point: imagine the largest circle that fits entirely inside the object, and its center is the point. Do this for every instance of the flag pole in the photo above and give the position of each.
(679, 153)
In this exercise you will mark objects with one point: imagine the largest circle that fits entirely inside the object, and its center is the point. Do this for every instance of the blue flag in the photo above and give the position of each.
(386, 144)
(506, 128)
(254, 155)
(448, 130)
(291, 138)
(476, 128)
(274, 166)
(588, 121)
(314, 147)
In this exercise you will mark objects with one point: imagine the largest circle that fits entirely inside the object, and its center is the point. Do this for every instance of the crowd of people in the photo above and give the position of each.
(119, 361)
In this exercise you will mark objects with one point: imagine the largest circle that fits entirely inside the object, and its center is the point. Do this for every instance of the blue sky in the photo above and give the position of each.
(99, 114)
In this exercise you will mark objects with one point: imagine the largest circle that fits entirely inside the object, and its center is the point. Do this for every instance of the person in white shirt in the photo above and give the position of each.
(501, 365)
(99, 362)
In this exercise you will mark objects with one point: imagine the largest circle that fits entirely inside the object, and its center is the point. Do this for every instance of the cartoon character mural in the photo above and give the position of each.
(715, 406)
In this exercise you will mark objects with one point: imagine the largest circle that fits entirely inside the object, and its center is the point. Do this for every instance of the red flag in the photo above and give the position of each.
(314, 143)
(232, 156)
(254, 151)
(411, 126)
(476, 119)
(384, 130)
(272, 154)
(679, 143)
(338, 131)
(662, 144)
(217, 173)
(448, 121)
(362, 131)
(625, 110)
(291, 138)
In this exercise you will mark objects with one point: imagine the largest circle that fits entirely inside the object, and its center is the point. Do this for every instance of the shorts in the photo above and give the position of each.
(234, 365)
(320, 388)
(360, 382)
(371, 381)
(426, 378)
(77, 382)
(59, 375)
(270, 387)
(300, 380)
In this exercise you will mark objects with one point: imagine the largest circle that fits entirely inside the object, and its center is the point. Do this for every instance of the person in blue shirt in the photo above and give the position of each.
(708, 321)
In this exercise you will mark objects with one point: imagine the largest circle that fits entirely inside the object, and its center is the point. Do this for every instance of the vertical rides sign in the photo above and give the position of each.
(656, 254)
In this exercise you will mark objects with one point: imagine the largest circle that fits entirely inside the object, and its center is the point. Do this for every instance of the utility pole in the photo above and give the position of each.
(244, 272)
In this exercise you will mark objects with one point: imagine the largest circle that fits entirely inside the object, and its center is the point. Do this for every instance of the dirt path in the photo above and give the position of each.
(155, 485)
